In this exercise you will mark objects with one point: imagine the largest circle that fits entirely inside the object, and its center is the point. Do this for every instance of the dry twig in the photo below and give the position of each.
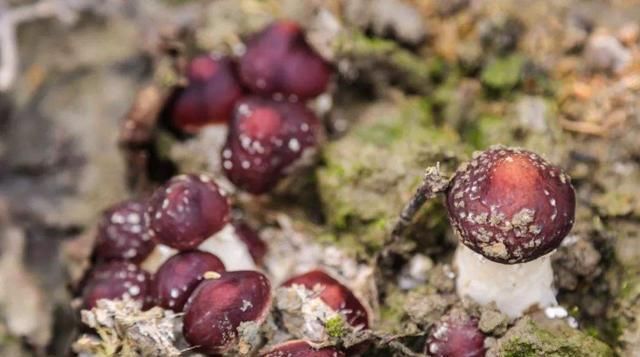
(64, 10)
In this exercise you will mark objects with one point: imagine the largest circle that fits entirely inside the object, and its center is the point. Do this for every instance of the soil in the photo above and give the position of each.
(417, 83)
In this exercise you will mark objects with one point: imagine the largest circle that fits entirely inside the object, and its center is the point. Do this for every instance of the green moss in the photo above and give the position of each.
(529, 338)
(503, 73)
(164, 142)
(486, 131)
(416, 73)
(519, 349)
(617, 203)
(371, 173)
(391, 312)
(335, 326)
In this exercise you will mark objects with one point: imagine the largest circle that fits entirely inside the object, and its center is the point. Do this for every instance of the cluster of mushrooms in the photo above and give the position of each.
(180, 248)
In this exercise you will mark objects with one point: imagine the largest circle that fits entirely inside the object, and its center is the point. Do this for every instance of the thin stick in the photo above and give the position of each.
(65, 11)
(432, 184)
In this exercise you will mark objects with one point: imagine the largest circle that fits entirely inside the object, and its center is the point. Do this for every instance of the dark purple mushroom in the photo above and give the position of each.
(187, 210)
(220, 305)
(335, 295)
(178, 277)
(511, 207)
(278, 60)
(114, 280)
(123, 233)
(455, 335)
(209, 96)
(265, 139)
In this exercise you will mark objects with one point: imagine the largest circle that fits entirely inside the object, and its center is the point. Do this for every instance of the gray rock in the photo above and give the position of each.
(394, 18)
(532, 113)
(605, 53)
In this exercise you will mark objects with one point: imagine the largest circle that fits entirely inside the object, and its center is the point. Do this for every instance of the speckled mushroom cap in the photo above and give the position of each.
(510, 205)
(186, 210)
(221, 307)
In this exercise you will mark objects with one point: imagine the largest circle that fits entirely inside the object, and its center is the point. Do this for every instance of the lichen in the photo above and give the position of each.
(123, 328)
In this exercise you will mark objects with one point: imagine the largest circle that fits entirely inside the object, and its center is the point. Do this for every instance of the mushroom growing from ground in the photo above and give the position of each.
(455, 335)
(123, 233)
(178, 277)
(279, 61)
(209, 96)
(266, 138)
(309, 300)
(114, 280)
(224, 313)
(187, 210)
(510, 208)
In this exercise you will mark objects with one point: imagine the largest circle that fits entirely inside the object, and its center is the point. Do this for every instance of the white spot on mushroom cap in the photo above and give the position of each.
(174, 293)
(134, 290)
(294, 145)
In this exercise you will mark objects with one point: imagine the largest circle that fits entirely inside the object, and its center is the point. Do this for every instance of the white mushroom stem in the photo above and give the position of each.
(225, 244)
(513, 287)
(233, 252)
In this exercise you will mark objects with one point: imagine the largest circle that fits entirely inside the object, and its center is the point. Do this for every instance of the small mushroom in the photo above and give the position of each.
(337, 296)
(266, 138)
(114, 280)
(123, 233)
(187, 210)
(455, 335)
(280, 62)
(209, 96)
(176, 278)
(224, 308)
(510, 208)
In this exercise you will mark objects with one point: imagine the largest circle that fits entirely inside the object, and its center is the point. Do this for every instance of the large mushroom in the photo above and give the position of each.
(510, 209)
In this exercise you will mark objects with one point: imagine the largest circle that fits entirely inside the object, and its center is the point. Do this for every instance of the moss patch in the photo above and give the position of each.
(369, 175)
(529, 338)
(335, 326)
(503, 73)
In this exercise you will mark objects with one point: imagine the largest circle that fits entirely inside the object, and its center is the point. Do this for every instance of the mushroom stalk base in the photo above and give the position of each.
(513, 287)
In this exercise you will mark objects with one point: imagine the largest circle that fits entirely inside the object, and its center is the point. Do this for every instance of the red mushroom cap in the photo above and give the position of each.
(114, 280)
(209, 96)
(300, 348)
(123, 233)
(265, 138)
(456, 336)
(510, 205)
(219, 306)
(335, 295)
(187, 210)
(279, 60)
(178, 277)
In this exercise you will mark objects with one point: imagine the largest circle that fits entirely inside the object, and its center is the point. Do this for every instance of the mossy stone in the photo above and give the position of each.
(529, 338)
